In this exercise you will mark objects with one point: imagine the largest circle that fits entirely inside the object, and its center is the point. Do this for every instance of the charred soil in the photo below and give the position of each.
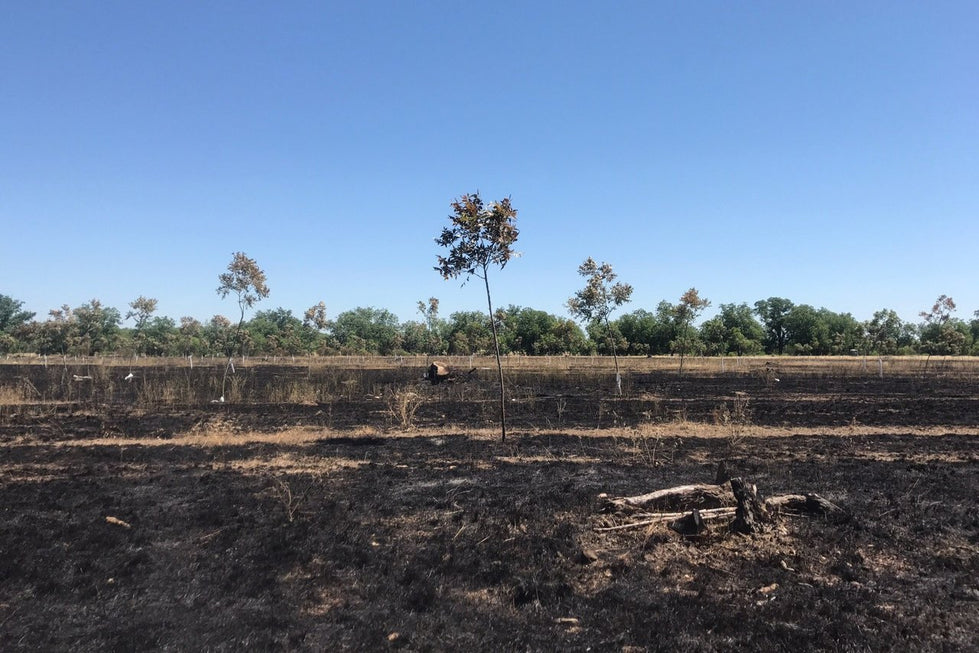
(326, 523)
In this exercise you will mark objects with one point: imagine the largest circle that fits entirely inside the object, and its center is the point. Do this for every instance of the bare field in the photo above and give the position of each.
(345, 505)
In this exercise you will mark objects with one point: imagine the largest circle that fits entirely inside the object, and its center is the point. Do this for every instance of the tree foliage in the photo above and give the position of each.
(12, 316)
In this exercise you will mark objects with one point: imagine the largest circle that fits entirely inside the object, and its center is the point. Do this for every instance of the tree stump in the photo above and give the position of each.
(751, 516)
(690, 525)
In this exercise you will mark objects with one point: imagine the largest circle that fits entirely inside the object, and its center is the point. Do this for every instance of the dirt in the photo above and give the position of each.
(322, 525)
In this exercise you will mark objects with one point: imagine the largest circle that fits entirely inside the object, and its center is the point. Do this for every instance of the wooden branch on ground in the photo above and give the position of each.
(711, 513)
(702, 495)
(811, 504)
(689, 512)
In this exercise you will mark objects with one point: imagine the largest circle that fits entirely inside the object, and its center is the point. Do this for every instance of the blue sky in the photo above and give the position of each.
(825, 152)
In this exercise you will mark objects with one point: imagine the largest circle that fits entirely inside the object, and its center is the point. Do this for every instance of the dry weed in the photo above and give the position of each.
(11, 395)
(402, 404)
(735, 417)
(291, 499)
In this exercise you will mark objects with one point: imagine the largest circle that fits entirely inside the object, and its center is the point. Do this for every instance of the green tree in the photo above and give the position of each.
(564, 336)
(12, 316)
(974, 330)
(805, 332)
(190, 337)
(940, 333)
(469, 333)
(734, 330)
(14, 324)
(96, 328)
(773, 312)
(277, 332)
(434, 326)
(597, 300)
(645, 333)
(367, 331)
(845, 333)
(218, 336)
(56, 334)
(161, 337)
(714, 336)
(477, 239)
(606, 338)
(141, 309)
(883, 332)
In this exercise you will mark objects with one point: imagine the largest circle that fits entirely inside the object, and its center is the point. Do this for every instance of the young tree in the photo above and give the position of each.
(691, 305)
(598, 299)
(141, 308)
(246, 281)
(477, 238)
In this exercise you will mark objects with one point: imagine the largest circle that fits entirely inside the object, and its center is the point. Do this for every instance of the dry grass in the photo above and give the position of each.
(402, 404)
(11, 395)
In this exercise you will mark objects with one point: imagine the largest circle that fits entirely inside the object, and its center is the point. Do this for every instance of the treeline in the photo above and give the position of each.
(773, 326)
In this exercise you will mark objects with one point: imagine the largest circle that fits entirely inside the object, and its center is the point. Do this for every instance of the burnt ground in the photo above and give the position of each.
(322, 526)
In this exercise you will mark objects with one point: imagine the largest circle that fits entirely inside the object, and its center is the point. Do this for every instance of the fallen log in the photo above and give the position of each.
(683, 497)
(811, 504)
(713, 513)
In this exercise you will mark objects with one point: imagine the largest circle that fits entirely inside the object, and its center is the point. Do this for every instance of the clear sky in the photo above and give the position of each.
(826, 152)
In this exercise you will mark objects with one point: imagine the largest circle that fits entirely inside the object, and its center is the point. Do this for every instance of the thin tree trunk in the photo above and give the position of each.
(238, 345)
(499, 362)
(615, 359)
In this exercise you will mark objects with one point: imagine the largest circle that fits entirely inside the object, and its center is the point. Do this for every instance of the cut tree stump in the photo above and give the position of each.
(751, 515)
(690, 525)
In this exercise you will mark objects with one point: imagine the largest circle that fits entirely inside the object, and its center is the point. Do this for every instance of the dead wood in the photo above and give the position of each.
(751, 515)
(440, 373)
(689, 525)
(722, 476)
(811, 504)
(690, 506)
(706, 515)
(683, 497)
